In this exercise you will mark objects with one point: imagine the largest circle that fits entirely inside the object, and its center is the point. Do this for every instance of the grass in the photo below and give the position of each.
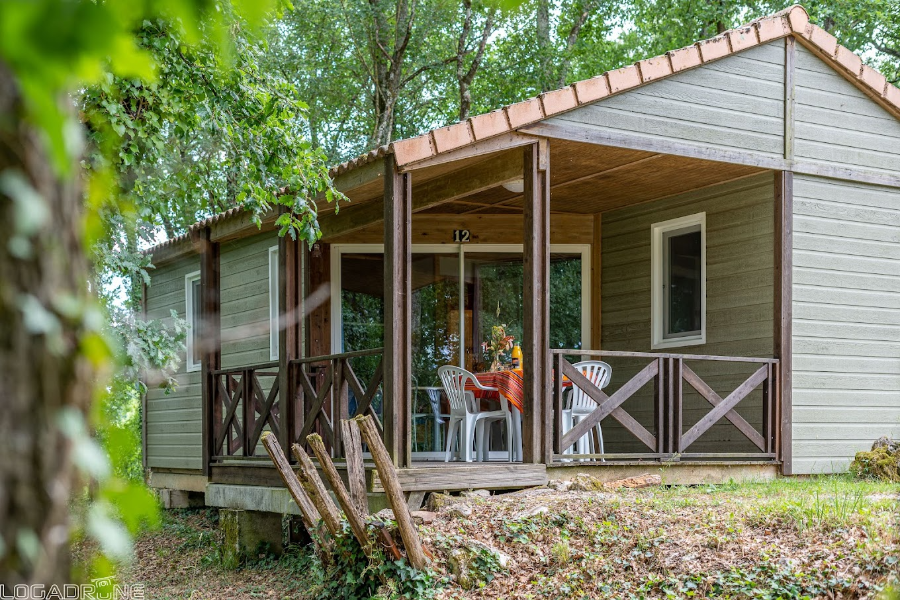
(788, 538)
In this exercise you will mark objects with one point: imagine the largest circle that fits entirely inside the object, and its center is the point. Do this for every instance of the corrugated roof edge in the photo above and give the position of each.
(790, 21)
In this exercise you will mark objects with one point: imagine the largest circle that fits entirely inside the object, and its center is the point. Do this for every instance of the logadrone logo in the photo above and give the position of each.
(104, 588)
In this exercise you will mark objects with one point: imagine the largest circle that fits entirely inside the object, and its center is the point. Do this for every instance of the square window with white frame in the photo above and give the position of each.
(678, 299)
(193, 316)
(274, 317)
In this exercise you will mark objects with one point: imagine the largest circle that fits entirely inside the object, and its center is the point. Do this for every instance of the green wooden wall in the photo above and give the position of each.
(173, 420)
(740, 300)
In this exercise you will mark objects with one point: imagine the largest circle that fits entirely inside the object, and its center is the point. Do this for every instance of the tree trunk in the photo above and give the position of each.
(42, 369)
(544, 42)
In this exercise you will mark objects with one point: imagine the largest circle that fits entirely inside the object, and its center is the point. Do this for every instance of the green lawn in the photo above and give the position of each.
(828, 537)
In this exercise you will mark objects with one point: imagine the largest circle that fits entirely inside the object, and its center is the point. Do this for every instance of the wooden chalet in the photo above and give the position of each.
(720, 224)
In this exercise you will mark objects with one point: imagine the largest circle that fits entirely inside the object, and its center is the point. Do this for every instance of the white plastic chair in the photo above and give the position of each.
(579, 405)
(464, 415)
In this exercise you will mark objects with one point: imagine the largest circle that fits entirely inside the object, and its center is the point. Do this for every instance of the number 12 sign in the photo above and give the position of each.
(461, 235)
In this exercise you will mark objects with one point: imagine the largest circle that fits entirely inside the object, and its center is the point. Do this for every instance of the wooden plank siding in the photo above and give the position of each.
(740, 296)
(736, 103)
(846, 307)
(838, 125)
(174, 420)
(245, 300)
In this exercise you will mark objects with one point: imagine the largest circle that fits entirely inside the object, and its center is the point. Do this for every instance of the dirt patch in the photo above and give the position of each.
(816, 538)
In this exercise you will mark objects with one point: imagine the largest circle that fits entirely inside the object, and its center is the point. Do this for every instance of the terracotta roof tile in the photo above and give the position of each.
(524, 113)
(624, 78)
(771, 28)
(592, 89)
(685, 58)
(826, 42)
(873, 79)
(892, 95)
(798, 19)
(559, 100)
(655, 68)
(714, 48)
(452, 137)
(851, 62)
(413, 149)
(489, 124)
(742, 38)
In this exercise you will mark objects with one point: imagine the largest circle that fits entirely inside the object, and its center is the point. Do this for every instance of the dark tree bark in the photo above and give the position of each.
(466, 75)
(42, 369)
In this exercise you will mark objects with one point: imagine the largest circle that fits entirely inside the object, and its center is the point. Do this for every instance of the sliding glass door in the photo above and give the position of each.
(459, 293)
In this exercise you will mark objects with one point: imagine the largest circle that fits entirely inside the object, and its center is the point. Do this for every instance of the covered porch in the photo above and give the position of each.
(569, 245)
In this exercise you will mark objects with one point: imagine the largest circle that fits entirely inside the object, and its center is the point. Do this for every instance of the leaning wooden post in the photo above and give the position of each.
(356, 520)
(308, 512)
(356, 471)
(309, 477)
(414, 551)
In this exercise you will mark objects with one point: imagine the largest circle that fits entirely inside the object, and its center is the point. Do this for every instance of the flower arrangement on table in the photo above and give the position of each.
(500, 343)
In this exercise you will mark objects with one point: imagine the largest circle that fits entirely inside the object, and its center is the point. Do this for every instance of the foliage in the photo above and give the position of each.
(498, 344)
(181, 122)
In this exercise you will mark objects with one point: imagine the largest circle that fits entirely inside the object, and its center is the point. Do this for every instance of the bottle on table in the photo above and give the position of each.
(516, 357)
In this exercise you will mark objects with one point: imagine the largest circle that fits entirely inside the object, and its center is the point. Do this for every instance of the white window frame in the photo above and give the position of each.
(657, 296)
(189, 280)
(274, 316)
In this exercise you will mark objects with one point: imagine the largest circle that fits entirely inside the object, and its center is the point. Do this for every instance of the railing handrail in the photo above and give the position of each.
(330, 357)
(624, 354)
(266, 365)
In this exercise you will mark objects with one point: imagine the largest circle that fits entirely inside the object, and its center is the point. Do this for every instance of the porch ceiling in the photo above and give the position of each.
(587, 179)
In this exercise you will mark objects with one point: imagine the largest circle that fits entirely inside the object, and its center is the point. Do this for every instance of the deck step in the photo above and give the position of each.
(456, 476)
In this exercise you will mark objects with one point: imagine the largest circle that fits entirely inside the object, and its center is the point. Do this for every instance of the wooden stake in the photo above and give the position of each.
(356, 520)
(414, 551)
(356, 472)
(309, 477)
(308, 511)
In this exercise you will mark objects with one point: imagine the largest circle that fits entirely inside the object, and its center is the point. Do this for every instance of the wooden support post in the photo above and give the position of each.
(211, 357)
(784, 244)
(397, 312)
(309, 479)
(595, 287)
(308, 511)
(356, 472)
(536, 430)
(354, 517)
(414, 550)
(289, 342)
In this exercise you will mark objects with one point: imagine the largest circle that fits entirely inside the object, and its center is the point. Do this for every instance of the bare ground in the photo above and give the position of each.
(816, 538)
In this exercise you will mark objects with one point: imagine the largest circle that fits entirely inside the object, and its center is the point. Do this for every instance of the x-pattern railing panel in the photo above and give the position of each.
(667, 371)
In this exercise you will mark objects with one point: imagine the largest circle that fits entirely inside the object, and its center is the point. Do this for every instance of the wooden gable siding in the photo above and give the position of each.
(736, 103)
(173, 420)
(245, 300)
(837, 124)
(846, 312)
(740, 296)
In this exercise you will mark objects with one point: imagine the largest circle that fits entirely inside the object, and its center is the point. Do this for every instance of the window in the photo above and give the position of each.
(274, 319)
(679, 282)
(193, 316)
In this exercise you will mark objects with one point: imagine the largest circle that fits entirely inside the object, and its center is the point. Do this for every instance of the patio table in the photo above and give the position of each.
(509, 384)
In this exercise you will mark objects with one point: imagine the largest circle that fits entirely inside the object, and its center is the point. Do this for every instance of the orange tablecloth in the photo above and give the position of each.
(508, 383)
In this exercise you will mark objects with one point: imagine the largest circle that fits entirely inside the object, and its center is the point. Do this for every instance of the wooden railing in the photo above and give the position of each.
(242, 409)
(668, 373)
(323, 391)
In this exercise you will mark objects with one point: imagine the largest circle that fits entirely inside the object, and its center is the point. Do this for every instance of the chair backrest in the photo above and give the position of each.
(598, 373)
(454, 380)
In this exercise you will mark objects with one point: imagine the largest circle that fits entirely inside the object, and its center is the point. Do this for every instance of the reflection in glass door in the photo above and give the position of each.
(450, 321)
